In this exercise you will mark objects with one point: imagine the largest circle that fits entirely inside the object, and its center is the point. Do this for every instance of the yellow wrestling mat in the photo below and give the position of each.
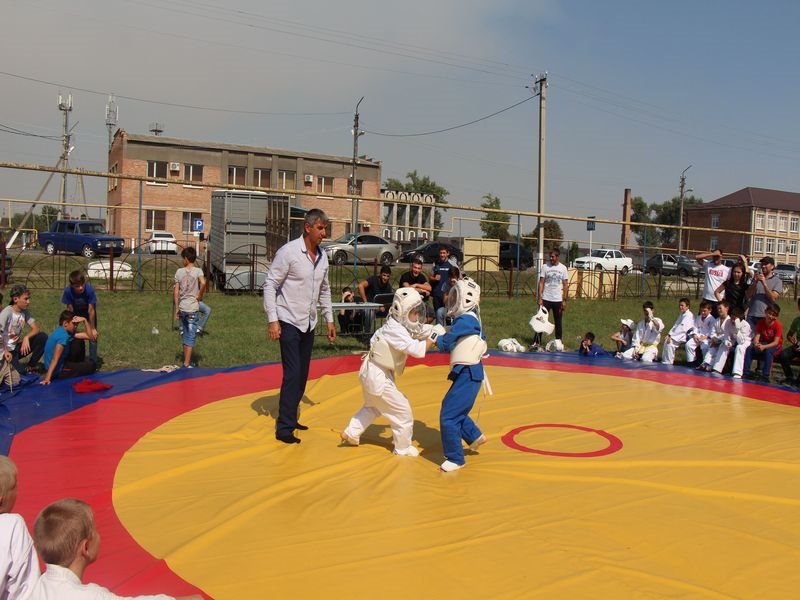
(625, 487)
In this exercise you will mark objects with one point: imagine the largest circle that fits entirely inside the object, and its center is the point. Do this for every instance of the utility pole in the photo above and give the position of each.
(540, 87)
(354, 185)
(682, 188)
(112, 118)
(65, 106)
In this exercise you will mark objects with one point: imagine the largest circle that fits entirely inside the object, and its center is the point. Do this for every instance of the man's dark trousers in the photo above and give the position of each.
(296, 347)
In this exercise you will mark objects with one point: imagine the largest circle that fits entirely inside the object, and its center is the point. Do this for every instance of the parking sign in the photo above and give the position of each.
(198, 225)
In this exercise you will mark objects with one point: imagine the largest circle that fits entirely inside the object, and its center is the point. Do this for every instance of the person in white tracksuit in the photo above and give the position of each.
(721, 340)
(699, 338)
(678, 334)
(403, 335)
(743, 339)
(644, 345)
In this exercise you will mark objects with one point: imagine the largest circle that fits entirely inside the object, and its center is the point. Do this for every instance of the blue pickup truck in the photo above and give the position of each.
(88, 238)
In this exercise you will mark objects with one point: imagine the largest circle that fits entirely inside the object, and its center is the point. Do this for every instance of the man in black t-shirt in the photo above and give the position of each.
(416, 279)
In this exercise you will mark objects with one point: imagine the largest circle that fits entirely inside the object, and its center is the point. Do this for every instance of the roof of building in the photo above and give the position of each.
(168, 141)
(752, 197)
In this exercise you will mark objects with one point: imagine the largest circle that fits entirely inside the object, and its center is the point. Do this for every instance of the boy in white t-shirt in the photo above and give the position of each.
(716, 273)
(189, 284)
(552, 293)
(19, 567)
(13, 319)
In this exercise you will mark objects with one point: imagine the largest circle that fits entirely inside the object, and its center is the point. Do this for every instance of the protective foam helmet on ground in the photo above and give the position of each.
(463, 297)
(554, 346)
(406, 301)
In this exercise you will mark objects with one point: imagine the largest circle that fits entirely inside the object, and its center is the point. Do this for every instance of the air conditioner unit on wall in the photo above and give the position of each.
(309, 179)
(173, 166)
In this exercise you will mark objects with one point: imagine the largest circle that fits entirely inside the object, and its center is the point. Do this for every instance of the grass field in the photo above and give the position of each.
(237, 328)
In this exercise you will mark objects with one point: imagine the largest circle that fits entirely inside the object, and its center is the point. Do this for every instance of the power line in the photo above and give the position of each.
(403, 135)
(15, 131)
(174, 104)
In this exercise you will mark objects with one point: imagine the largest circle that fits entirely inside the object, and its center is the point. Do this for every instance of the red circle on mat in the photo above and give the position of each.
(614, 443)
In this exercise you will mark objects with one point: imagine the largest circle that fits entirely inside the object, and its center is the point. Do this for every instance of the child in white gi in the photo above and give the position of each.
(699, 338)
(644, 345)
(402, 335)
(678, 334)
(721, 340)
(743, 338)
(467, 344)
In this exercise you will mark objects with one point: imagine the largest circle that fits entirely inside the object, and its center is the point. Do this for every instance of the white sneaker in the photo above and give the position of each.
(351, 441)
(410, 451)
(737, 376)
(477, 443)
(448, 466)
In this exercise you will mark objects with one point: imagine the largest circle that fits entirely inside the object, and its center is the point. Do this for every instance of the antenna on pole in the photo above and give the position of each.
(65, 106)
(112, 118)
(156, 128)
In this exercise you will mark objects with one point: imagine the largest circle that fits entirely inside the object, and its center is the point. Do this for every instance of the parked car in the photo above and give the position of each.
(605, 259)
(162, 241)
(429, 253)
(672, 264)
(88, 238)
(786, 272)
(370, 248)
(509, 251)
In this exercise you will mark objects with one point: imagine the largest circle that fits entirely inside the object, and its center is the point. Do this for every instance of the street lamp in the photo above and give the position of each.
(680, 217)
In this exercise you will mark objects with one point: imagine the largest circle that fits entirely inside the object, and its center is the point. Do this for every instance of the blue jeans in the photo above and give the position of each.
(766, 356)
(188, 328)
(205, 312)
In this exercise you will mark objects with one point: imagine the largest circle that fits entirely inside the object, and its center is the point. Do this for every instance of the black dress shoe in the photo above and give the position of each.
(301, 427)
(288, 439)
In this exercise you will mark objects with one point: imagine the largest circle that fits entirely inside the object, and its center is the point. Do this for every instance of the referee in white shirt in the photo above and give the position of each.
(296, 283)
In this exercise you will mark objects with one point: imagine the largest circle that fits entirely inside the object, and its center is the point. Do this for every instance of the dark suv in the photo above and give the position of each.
(429, 253)
(672, 264)
(508, 256)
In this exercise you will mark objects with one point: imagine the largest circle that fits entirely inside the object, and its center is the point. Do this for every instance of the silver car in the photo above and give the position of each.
(370, 248)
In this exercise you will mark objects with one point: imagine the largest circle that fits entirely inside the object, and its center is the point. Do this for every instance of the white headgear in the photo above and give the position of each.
(540, 323)
(463, 297)
(554, 346)
(407, 300)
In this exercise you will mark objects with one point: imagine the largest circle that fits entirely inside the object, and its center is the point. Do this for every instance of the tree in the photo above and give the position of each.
(494, 230)
(552, 236)
(421, 185)
(665, 213)
(640, 213)
(574, 252)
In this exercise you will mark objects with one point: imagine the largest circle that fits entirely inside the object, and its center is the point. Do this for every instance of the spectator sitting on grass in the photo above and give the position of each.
(13, 319)
(80, 298)
(62, 359)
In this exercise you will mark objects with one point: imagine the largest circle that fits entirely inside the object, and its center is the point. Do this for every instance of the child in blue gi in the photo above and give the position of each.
(467, 344)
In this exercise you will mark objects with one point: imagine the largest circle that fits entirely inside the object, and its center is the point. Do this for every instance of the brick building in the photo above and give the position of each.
(175, 207)
(772, 217)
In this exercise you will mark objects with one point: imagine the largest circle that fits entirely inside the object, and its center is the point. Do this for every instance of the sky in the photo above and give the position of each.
(638, 91)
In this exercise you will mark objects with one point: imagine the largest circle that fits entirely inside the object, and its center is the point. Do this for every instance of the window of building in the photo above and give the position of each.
(758, 245)
(155, 219)
(359, 189)
(113, 181)
(193, 173)
(286, 180)
(792, 246)
(237, 175)
(157, 168)
(324, 185)
(771, 222)
(759, 221)
(188, 221)
(399, 235)
(782, 223)
(770, 246)
(388, 213)
(427, 214)
(713, 243)
(387, 233)
(715, 221)
(781, 246)
(793, 224)
(261, 177)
